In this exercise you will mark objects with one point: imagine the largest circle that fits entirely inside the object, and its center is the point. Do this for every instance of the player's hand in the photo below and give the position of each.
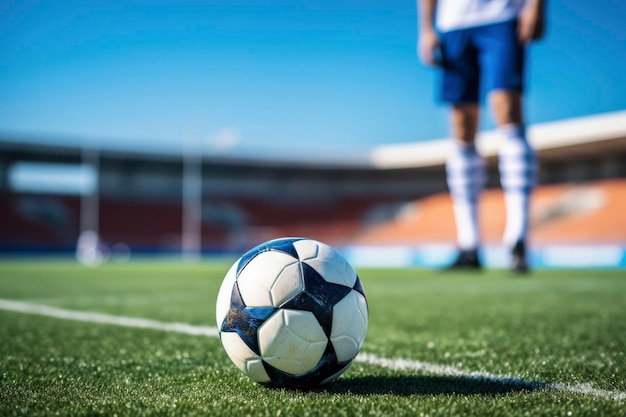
(531, 24)
(428, 46)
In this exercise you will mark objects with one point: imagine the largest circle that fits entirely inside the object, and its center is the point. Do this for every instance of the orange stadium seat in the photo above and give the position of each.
(572, 213)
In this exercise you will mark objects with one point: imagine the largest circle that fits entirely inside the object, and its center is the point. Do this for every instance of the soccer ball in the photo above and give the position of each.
(292, 312)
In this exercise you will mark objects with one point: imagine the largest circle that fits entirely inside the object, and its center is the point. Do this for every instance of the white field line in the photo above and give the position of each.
(366, 358)
(445, 370)
(60, 313)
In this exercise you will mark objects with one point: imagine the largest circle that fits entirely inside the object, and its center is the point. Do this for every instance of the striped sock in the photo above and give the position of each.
(465, 171)
(518, 175)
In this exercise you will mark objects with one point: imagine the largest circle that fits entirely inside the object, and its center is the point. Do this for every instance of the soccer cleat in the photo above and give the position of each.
(466, 260)
(519, 264)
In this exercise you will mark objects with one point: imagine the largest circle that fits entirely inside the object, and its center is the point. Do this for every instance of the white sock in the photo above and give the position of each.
(465, 171)
(517, 205)
(518, 176)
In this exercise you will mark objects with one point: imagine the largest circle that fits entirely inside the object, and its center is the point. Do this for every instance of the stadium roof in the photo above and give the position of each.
(586, 136)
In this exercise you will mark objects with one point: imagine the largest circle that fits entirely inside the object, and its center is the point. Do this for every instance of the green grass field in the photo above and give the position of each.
(463, 344)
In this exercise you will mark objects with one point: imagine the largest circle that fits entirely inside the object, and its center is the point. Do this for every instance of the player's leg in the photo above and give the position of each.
(503, 59)
(465, 169)
(517, 166)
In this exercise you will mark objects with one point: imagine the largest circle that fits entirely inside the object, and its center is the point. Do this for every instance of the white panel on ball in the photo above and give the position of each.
(260, 274)
(307, 248)
(223, 297)
(349, 329)
(245, 359)
(256, 370)
(326, 261)
(288, 283)
(292, 341)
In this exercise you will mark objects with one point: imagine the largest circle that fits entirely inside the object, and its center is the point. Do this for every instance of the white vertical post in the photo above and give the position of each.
(90, 193)
(192, 200)
(88, 247)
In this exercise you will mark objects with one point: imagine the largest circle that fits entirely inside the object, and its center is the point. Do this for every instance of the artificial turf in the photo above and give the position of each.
(523, 334)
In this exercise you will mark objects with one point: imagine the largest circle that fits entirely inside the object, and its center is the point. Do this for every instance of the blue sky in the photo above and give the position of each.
(267, 75)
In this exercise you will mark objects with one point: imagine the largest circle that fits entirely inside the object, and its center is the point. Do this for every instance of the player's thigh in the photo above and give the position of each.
(501, 57)
(460, 74)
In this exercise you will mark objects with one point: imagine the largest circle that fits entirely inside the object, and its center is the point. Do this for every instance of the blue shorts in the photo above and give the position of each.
(479, 59)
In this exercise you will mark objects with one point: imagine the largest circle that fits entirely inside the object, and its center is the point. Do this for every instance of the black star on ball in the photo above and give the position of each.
(318, 296)
(244, 320)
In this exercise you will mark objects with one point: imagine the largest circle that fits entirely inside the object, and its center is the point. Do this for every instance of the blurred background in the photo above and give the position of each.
(198, 129)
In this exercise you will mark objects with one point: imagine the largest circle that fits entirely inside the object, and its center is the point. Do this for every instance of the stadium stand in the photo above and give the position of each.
(45, 220)
(573, 213)
(37, 220)
(589, 213)
(393, 195)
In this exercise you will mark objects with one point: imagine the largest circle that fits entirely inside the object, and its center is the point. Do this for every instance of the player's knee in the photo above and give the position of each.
(506, 106)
